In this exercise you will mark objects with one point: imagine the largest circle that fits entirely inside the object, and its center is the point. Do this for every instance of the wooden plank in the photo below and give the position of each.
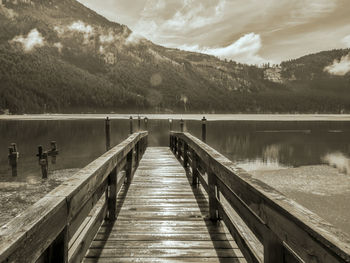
(159, 253)
(164, 260)
(164, 244)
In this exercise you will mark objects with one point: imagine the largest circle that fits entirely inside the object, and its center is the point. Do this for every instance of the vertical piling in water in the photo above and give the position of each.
(43, 161)
(139, 123)
(131, 124)
(108, 134)
(182, 125)
(170, 124)
(13, 158)
(146, 123)
(204, 129)
(53, 152)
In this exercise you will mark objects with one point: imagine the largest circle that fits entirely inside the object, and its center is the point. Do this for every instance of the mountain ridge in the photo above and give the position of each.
(86, 63)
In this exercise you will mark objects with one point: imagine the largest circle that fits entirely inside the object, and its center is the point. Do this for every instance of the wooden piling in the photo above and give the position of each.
(53, 151)
(108, 134)
(170, 124)
(146, 123)
(204, 129)
(138, 123)
(131, 131)
(43, 156)
(13, 158)
(182, 125)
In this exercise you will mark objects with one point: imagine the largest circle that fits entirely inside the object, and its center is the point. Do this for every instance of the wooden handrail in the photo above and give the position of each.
(287, 231)
(42, 233)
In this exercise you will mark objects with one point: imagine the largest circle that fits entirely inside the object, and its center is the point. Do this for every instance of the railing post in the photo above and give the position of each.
(273, 249)
(57, 252)
(112, 194)
(194, 166)
(128, 170)
(182, 125)
(185, 155)
(178, 148)
(138, 123)
(108, 134)
(213, 208)
(131, 131)
(204, 129)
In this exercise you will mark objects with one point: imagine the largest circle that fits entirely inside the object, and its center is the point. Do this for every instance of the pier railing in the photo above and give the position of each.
(287, 231)
(61, 226)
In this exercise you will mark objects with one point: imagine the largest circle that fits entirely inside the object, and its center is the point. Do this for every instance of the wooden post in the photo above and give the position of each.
(194, 167)
(108, 134)
(57, 252)
(273, 248)
(185, 155)
(128, 170)
(170, 124)
(204, 129)
(139, 123)
(43, 161)
(131, 131)
(112, 196)
(13, 158)
(182, 125)
(213, 210)
(53, 152)
(146, 123)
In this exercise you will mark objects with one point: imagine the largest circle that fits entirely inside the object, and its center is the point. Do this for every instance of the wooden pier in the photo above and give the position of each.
(183, 203)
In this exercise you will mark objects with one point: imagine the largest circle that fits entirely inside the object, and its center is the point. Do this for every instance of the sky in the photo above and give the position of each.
(247, 31)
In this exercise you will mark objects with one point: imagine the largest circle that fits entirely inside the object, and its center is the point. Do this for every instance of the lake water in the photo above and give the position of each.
(257, 146)
(252, 144)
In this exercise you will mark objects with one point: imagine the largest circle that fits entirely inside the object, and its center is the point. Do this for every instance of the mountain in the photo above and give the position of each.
(59, 56)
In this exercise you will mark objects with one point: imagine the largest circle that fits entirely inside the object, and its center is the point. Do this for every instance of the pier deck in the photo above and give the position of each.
(161, 218)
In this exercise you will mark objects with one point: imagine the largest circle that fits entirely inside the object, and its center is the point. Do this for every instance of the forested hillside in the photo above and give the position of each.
(60, 56)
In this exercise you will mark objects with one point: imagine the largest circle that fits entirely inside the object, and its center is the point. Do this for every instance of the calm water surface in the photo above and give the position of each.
(252, 144)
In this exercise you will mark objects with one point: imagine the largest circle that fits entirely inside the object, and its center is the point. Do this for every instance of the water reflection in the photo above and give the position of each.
(252, 144)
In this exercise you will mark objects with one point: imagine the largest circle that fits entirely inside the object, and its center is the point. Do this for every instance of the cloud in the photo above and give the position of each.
(81, 27)
(32, 40)
(59, 46)
(134, 38)
(195, 15)
(244, 50)
(339, 67)
(107, 38)
(346, 41)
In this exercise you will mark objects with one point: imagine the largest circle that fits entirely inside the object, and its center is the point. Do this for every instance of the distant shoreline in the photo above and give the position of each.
(209, 117)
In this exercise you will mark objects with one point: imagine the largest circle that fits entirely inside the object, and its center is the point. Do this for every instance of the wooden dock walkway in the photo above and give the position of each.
(162, 219)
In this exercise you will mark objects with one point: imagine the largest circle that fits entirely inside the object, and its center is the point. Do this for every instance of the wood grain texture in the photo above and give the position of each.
(160, 218)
